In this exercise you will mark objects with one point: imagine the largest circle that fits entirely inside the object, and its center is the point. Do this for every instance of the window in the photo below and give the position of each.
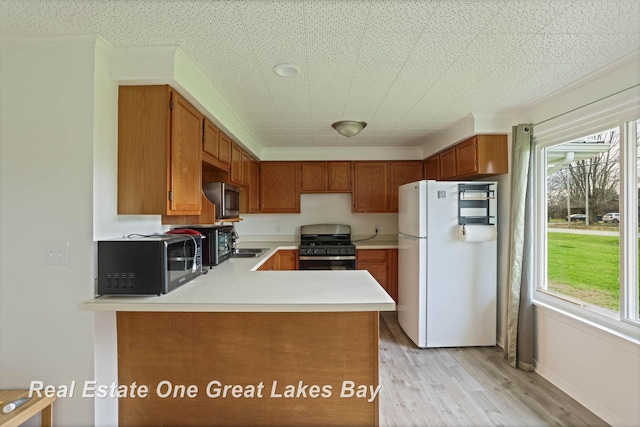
(587, 204)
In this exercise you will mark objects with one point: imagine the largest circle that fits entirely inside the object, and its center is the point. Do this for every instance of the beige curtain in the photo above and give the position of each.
(519, 342)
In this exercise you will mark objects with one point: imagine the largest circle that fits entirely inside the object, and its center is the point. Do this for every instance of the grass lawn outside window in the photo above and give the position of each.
(585, 267)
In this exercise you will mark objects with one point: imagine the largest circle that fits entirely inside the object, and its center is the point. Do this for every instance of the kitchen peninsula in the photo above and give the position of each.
(238, 346)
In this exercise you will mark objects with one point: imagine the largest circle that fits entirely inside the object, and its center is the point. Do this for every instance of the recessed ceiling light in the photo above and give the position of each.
(286, 70)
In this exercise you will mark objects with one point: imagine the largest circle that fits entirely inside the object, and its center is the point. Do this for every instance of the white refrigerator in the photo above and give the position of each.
(447, 256)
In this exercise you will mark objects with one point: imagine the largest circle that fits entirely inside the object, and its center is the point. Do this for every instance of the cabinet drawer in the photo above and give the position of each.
(371, 254)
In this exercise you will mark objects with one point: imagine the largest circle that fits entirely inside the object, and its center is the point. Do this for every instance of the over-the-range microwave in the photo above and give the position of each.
(225, 197)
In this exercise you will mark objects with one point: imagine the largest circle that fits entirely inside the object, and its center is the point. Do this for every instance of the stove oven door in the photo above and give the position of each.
(327, 263)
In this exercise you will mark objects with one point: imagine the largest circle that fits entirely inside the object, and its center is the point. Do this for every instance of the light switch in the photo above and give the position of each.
(56, 253)
(442, 194)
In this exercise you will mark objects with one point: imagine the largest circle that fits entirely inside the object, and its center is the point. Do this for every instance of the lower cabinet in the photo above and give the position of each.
(285, 259)
(383, 266)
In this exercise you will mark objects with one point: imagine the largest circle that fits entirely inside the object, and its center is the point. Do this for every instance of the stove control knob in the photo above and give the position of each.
(314, 251)
(328, 251)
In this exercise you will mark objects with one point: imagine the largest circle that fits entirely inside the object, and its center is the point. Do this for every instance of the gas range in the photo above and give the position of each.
(326, 247)
(319, 249)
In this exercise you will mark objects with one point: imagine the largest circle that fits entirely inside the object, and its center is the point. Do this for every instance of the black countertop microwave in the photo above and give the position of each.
(149, 265)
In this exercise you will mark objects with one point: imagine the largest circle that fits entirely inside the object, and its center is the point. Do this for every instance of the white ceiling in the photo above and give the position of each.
(408, 68)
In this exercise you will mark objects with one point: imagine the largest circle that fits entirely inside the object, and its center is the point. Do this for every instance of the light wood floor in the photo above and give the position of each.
(471, 386)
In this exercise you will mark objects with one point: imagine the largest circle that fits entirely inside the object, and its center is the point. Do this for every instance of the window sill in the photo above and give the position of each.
(608, 324)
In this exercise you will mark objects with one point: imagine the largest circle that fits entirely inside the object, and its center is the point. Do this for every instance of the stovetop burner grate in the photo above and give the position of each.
(326, 239)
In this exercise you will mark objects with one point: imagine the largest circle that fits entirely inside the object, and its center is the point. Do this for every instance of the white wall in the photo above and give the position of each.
(599, 369)
(57, 127)
(317, 209)
(46, 120)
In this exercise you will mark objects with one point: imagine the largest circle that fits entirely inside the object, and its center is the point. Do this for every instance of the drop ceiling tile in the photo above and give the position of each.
(493, 48)
(463, 16)
(377, 47)
(272, 16)
(440, 47)
(328, 140)
(399, 16)
(278, 48)
(334, 105)
(266, 114)
(526, 16)
(595, 16)
(336, 16)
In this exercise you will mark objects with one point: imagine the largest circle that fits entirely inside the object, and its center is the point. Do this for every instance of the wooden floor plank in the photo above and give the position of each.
(466, 386)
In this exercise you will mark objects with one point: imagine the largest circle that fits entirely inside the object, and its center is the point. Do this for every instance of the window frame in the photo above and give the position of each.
(577, 124)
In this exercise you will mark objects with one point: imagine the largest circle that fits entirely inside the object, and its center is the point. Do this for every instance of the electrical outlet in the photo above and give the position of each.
(277, 228)
(377, 228)
(57, 253)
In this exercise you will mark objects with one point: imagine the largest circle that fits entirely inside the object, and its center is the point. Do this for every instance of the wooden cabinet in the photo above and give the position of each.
(432, 168)
(448, 164)
(254, 186)
(402, 173)
(211, 138)
(246, 168)
(326, 177)
(224, 149)
(375, 184)
(286, 259)
(159, 152)
(382, 264)
(370, 187)
(207, 216)
(235, 170)
(392, 285)
(339, 177)
(280, 187)
(476, 157)
(314, 177)
(216, 146)
(482, 155)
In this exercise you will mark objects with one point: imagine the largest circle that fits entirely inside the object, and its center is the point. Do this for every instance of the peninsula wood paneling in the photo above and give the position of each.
(188, 348)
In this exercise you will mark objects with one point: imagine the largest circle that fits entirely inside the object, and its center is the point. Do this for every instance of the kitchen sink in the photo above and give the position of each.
(249, 252)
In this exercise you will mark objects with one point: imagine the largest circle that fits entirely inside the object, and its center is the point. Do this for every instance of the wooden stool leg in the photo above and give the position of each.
(47, 416)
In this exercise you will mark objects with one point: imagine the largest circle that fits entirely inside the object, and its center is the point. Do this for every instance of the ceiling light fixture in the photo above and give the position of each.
(349, 128)
(286, 70)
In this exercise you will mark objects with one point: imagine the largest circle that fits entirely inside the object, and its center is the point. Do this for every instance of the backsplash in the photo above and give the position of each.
(316, 209)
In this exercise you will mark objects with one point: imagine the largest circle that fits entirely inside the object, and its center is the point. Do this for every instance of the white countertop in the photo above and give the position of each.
(236, 286)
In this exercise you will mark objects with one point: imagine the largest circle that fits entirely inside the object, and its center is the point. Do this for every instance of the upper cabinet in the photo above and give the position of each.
(370, 187)
(210, 139)
(280, 187)
(402, 173)
(235, 172)
(326, 177)
(159, 152)
(375, 183)
(476, 157)
(224, 151)
(339, 177)
(254, 186)
(447, 164)
(432, 168)
(482, 155)
(216, 146)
